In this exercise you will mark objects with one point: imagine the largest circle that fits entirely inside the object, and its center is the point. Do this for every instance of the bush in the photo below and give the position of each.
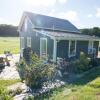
(36, 72)
(21, 68)
(82, 64)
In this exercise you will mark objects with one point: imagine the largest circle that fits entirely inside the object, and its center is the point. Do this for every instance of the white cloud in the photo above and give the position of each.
(70, 15)
(62, 1)
(39, 2)
(89, 15)
(98, 12)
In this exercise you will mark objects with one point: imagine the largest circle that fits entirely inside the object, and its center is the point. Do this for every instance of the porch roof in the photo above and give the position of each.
(67, 36)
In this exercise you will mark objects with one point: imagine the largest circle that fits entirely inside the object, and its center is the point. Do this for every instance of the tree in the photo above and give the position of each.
(92, 31)
(8, 30)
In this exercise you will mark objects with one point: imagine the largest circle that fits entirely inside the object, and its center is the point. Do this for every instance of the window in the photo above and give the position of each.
(25, 24)
(43, 47)
(90, 47)
(28, 41)
(72, 48)
(22, 42)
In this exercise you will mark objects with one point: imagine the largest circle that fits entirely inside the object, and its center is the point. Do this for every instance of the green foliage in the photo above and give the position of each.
(5, 83)
(92, 31)
(21, 69)
(8, 30)
(4, 94)
(36, 72)
(82, 64)
(85, 88)
(30, 98)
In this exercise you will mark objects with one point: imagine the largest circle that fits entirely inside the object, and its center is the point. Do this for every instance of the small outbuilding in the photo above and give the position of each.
(53, 38)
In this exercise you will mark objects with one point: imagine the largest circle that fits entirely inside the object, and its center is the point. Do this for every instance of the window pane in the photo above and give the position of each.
(72, 48)
(43, 47)
(43, 42)
(90, 47)
(28, 41)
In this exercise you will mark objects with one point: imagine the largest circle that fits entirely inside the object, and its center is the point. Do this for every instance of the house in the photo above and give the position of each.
(54, 38)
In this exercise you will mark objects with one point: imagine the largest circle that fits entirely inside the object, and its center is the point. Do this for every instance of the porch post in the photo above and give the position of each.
(55, 50)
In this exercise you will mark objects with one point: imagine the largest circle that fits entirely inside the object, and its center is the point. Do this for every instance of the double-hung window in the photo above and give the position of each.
(72, 48)
(43, 47)
(90, 47)
(28, 41)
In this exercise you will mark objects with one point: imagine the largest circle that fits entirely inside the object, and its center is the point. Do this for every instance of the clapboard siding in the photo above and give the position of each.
(62, 49)
(82, 46)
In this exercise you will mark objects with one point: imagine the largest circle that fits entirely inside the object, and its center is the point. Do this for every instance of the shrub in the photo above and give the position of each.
(82, 64)
(36, 72)
(21, 68)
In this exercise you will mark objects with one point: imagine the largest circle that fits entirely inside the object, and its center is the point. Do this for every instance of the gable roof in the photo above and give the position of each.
(51, 23)
(55, 27)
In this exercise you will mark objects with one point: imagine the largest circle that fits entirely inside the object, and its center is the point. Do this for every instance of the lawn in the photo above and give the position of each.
(4, 93)
(5, 83)
(86, 88)
(9, 44)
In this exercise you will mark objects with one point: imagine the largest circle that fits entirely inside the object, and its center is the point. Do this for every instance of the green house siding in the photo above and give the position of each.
(36, 44)
(62, 49)
(82, 46)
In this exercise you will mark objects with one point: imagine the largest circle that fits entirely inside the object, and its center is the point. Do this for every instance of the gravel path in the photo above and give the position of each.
(10, 72)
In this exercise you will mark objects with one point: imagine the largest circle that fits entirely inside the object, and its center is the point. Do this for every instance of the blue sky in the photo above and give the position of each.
(82, 13)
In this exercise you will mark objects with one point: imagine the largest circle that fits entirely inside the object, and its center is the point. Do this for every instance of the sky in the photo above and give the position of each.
(81, 13)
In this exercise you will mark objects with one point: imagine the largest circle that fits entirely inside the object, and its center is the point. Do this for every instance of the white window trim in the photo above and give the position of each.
(28, 41)
(72, 55)
(22, 43)
(89, 48)
(40, 46)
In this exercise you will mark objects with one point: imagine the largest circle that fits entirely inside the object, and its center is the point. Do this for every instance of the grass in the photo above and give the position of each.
(9, 44)
(5, 83)
(86, 88)
(4, 93)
